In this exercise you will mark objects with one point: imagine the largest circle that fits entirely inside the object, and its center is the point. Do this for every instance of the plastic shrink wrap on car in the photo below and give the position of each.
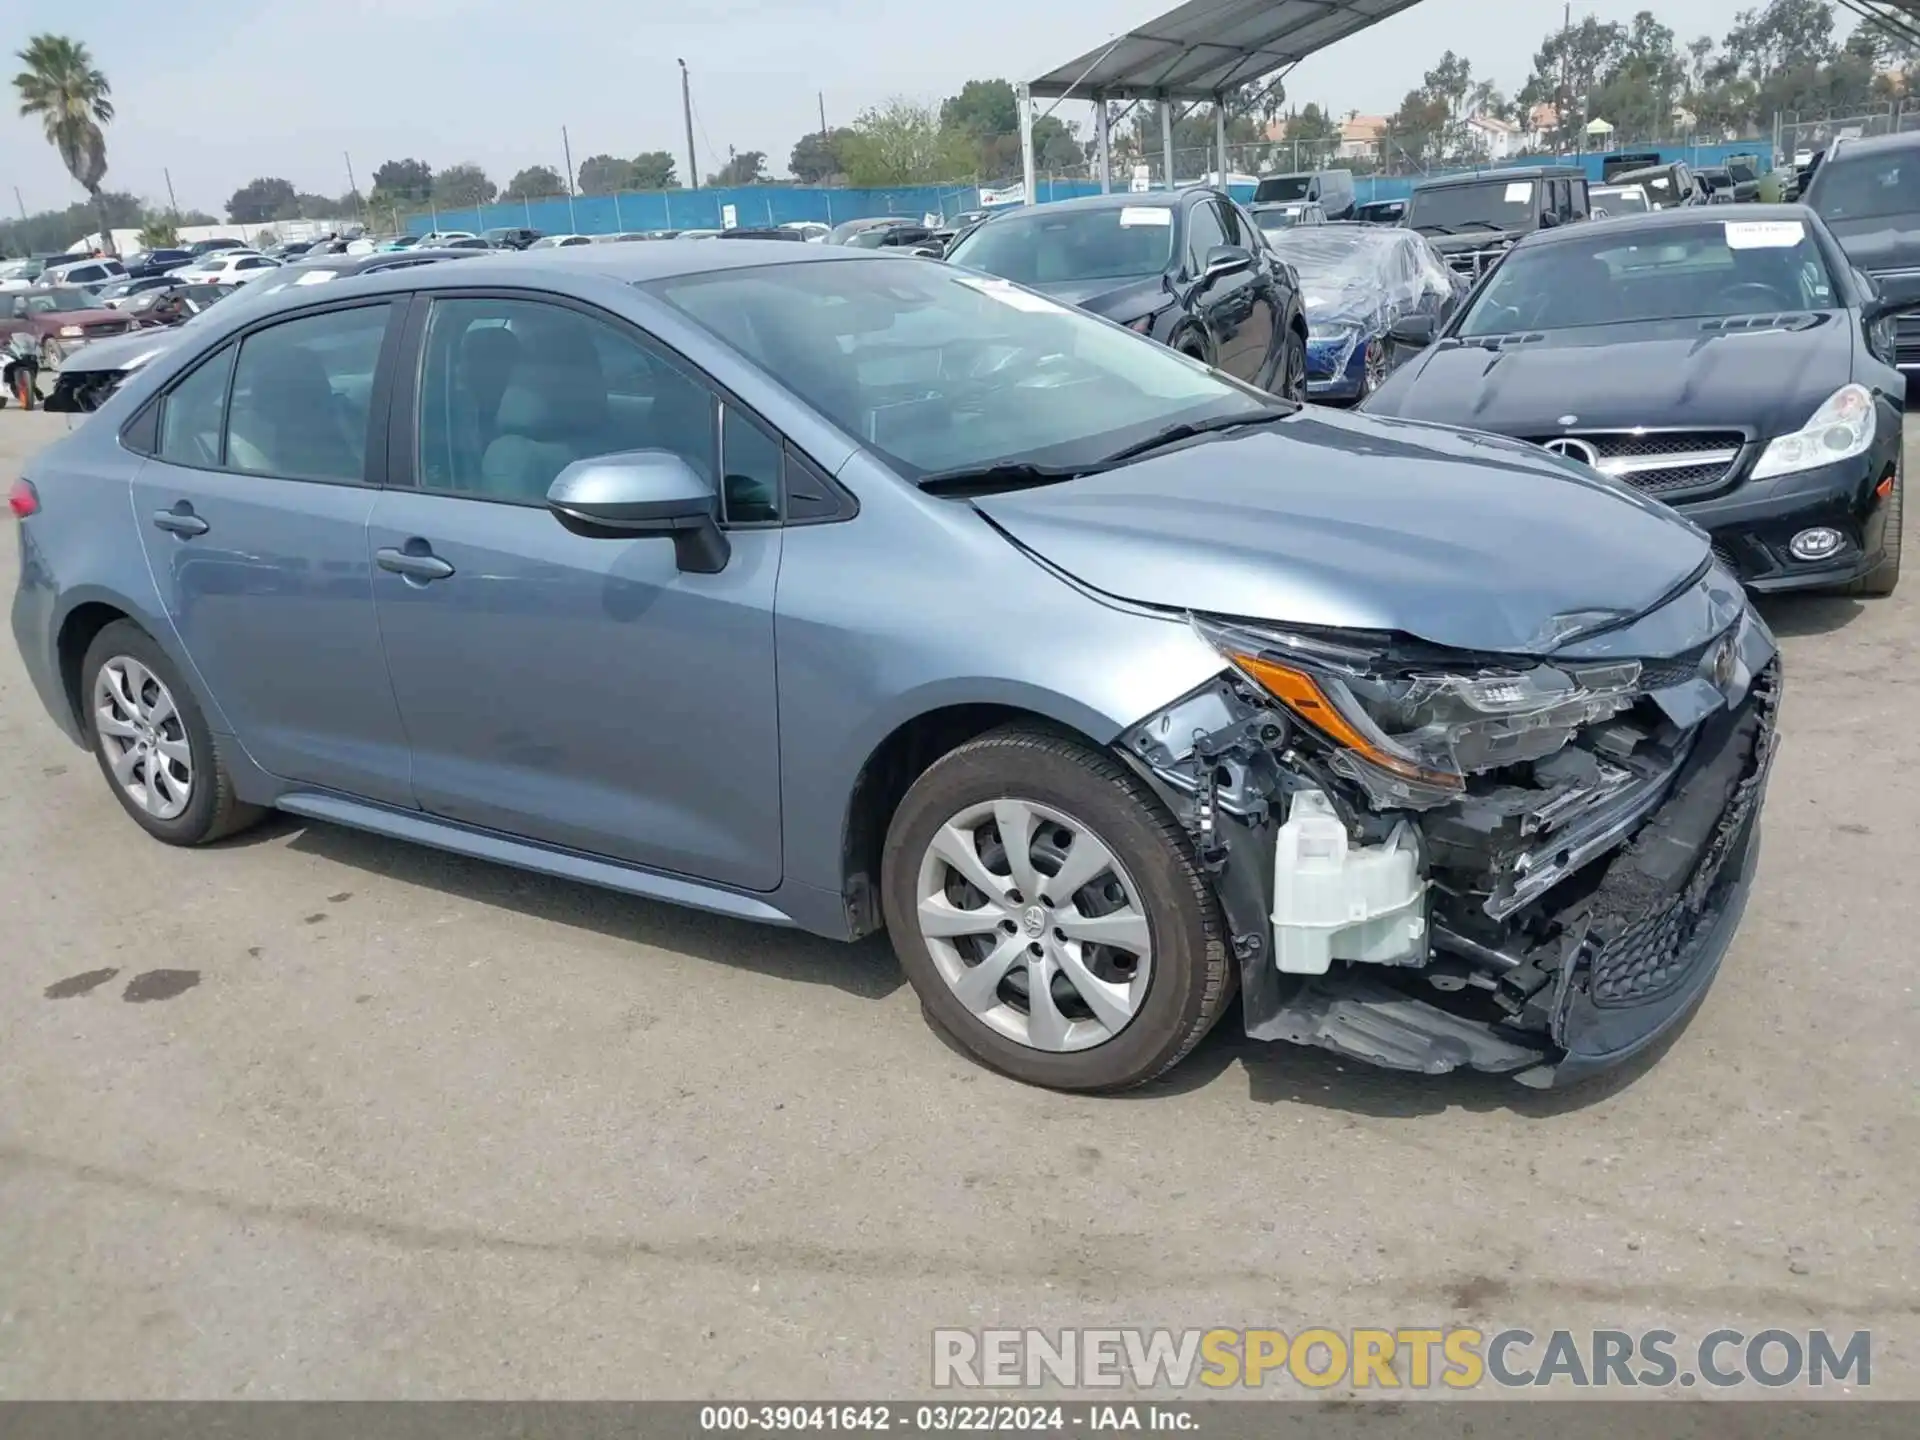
(1356, 282)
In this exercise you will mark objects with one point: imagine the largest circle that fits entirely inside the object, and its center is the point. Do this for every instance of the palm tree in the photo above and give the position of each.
(62, 87)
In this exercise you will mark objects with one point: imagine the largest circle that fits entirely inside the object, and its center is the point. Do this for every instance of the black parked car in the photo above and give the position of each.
(149, 263)
(511, 237)
(1474, 219)
(1868, 192)
(1381, 212)
(1188, 268)
(207, 247)
(1726, 361)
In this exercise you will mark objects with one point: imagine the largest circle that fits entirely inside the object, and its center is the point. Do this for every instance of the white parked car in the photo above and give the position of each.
(20, 274)
(83, 270)
(812, 231)
(552, 242)
(435, 238)
(227, 267)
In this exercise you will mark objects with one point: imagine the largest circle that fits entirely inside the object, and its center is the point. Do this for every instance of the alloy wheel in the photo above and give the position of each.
(1035, 924)
(1296, 382)
(143, 737)
(1376, 368)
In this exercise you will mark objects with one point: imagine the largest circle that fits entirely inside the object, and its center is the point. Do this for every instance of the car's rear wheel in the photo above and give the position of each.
(1293, 368)
(1373, 369)
(160, 759)
(1049, 913)
(1884, 578)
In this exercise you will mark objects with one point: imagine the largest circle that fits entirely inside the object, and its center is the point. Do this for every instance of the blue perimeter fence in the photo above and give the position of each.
(756, 205)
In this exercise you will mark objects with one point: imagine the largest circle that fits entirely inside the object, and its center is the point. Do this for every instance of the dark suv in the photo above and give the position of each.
(1868, 192)
(1474, 219)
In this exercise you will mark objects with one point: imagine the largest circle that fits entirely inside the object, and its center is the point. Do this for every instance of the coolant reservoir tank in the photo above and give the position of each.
(1333, 900)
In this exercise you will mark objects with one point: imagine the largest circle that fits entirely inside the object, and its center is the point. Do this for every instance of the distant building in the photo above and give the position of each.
(1541, 123)
(1492, 137)
(1360, 137)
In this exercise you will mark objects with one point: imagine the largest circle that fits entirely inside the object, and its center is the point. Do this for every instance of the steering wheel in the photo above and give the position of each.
(1757, 289)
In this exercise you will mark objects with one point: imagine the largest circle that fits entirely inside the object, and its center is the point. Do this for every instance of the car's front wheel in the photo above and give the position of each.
(152, 742)
(1293, 368)
(1049, 913)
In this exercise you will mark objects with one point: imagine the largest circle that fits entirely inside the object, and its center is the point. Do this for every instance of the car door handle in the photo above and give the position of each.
(180, 521)
(414, 567)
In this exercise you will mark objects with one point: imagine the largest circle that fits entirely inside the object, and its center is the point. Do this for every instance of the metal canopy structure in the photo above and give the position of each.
(1198, 52)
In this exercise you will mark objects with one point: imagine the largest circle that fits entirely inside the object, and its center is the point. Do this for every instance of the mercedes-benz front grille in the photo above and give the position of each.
(1906, 340)
(1656, 462)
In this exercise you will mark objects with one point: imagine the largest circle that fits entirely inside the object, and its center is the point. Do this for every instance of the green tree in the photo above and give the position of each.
(604, 174)
(260, 200)
(158, 235)
(653, 170)
(819, 157)
(58, 229)
(982, 110)
(463, 187)
(536, 182)
(1055, 146)
(748, 167)
(402, 185)
(902, 142)
(62, 87)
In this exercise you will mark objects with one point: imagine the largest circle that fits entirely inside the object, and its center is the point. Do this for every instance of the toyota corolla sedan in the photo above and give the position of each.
(1737, 369)
(845, 592)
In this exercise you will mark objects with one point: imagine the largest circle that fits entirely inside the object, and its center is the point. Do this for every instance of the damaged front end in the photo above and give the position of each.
(1430, 859)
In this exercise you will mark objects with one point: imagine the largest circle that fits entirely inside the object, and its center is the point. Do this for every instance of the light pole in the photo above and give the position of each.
(686, 109)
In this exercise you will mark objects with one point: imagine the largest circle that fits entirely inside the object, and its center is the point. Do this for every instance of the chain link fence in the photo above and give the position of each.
(1798, 137)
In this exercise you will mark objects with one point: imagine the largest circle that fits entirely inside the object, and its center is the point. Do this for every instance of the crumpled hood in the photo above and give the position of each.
(1670, 374)
(121, 352)
(1346, 521)
(1111, 299)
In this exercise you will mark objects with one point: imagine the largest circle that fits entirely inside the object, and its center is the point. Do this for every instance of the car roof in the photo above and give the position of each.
(1505, 172)
(1680, 219)
(1871, 144)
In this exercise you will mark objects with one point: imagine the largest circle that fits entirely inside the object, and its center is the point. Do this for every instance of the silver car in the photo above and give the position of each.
(844, 592)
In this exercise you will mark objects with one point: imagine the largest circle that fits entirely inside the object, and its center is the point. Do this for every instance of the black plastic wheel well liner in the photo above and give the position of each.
(883, 782)
(83, 622)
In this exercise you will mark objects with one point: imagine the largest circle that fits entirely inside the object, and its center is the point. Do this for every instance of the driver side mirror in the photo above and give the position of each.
(643, 492)
(1549, 218)
(1413, 331)
(1226, 260)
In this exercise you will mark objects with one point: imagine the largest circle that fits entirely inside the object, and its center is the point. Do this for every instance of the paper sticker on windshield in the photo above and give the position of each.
(1010, 295)
(316, 277)
(1146, 215)
(1519, 192)
(1764, 234)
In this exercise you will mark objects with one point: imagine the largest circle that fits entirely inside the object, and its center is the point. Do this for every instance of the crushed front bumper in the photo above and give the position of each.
(1548, 985)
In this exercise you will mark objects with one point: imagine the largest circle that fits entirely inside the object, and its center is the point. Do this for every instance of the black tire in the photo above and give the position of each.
(1884, 578)
(1191, 978)
(213, 811)
(1292, 379)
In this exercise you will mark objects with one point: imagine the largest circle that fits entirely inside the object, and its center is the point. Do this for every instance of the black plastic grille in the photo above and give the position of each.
(1654, 955)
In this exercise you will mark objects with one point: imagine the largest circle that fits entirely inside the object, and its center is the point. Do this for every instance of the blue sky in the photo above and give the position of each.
(219, 93)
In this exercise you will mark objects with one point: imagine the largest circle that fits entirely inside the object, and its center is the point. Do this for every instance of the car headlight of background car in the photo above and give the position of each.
(1839, 430)
(1410, 735)
(71, 330)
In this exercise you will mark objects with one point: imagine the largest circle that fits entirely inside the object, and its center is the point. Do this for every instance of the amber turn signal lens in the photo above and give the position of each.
(1301, 693)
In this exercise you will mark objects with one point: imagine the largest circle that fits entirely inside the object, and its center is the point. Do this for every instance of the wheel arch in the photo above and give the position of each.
(904, 754)
(89, 610)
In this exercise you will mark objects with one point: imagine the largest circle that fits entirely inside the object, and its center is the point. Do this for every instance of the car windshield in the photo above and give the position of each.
(48, 302)
(1867, 187)
(1283, 187)
(840, 233)
(1485, 205)
(1045, 247)
(1334, 256)
(871, 239)
(1621, 201)
(940, 370)
(1710, 270)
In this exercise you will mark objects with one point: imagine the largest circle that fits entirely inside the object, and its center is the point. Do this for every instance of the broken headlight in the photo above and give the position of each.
(1410, 734)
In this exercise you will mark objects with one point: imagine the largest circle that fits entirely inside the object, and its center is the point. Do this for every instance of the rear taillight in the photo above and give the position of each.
(23, 499)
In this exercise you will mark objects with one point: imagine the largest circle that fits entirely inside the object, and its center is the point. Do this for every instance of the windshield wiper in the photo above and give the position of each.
(1189, 429)
(1430, 225)
(1003, 475)
(1487, 223)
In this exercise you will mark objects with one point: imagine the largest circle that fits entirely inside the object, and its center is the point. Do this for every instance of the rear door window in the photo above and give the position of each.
(302, 396)
(194, 413)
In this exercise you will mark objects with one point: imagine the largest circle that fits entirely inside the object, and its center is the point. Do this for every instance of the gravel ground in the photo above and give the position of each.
(407, 1125)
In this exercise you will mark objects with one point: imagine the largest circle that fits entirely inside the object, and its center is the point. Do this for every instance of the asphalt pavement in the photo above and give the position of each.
(352, 1119)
